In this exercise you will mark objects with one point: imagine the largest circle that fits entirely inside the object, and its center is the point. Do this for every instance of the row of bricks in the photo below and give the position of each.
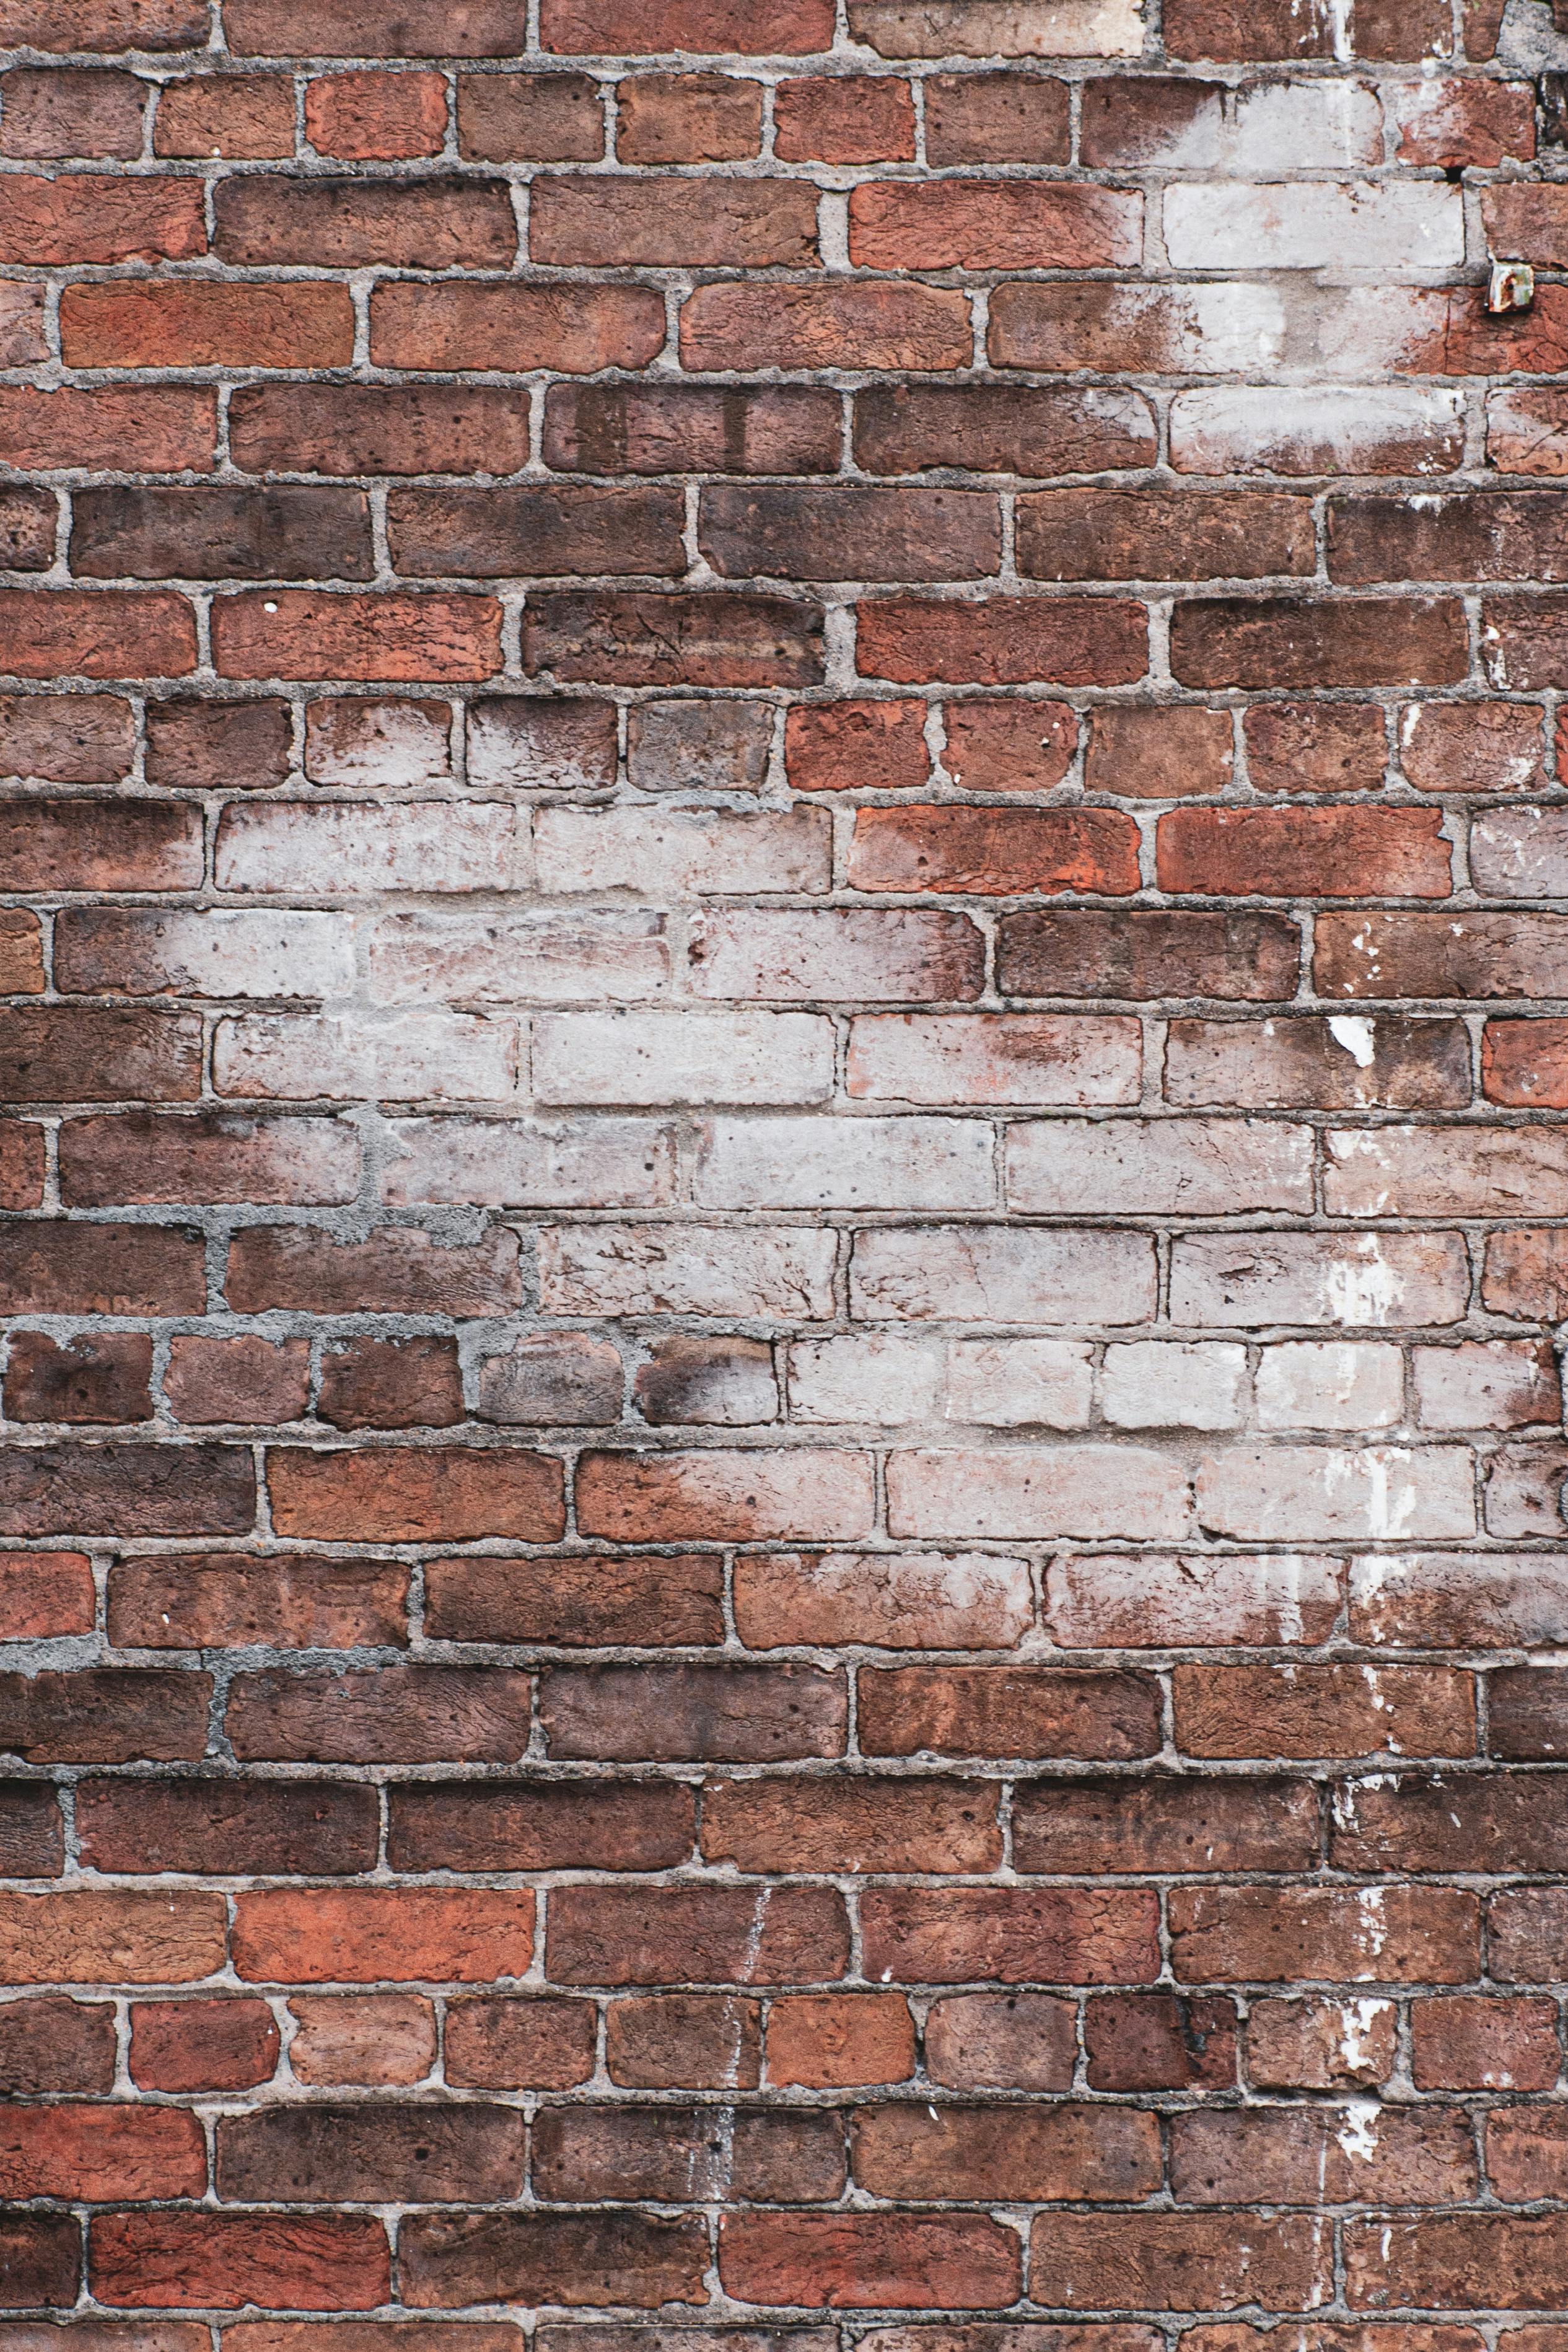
(695, 1933)
(100, 1377)
(949, 534)
(748, 1712)
(51, 112)
(318, 848)
(184, 2259)
(712, 743)
(634, 1059)
(728, 637)
(1393, 30)
(1001, 2040)
(478, 2152)
(1271, 1492)
(963, 1274)
(1147, 327)
(616, 219)
(1444, 1601)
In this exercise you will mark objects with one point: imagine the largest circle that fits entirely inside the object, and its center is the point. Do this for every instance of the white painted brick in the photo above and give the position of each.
(346, 1057)
(603, 1164)
(1273, 127)
(1446, 1171)
(1521, 853)
(1152, 1600)
(221, 951)
(1485, 1384)
(891, 1601)
(1007, 1057)
(1460, 1601)
(541, 955)
(1027, 1492)
(997, 1274)
(683, 1057)
(353, 849)
(1184, 1167)
(390, 745)
(875, 1376)
(785, 1273)
(1005, 28)
(1165, 1384)
(1315, 224)
(1330, 1385)
(845, 1163)
(834, 954)
(1357, 1279)
(664, 854)
(1318, 429)
(1314, 1493)
(1020, 1383)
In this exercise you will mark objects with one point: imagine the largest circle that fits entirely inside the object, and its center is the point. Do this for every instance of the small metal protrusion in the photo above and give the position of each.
(1551, 89)
(1512, 287)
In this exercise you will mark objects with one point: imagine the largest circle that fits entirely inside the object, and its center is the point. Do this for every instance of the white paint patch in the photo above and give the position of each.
(1356, 1035)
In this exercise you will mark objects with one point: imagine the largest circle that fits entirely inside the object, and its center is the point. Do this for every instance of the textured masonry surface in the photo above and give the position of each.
(782, 1539)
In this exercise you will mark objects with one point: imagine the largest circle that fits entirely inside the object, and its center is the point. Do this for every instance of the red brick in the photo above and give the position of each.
(1465, 2044)
(93, 1269)
(645, 639)
(993, 224)
(695, 1934)
(662, 428)
(172, 2261)
(418, 1715)
(885, 325)
(202, 2045)
(411, 1494)
(1166, 1824)
(1008, 747)
(860, 1825)
(1276, 641)
(93, 217)
(833, 2040)
(671, 223)
(190, 323)
(297, 633)
(45, 1593)
(553, 118)
(104, 633)
(860, 2261)
(99, 2153)
(1179, 2261)
(107, 25)
(633, 2259)
(1159, 2042)
(93, 1378)
(697, 2040)
(848, 119)
(1013, 1935)
(533, 2044)
(376, 117)
(733, 1713)
(1161, 754)
(1330, 852)
(473, 323)
(1001, 641)
(397, 1270)
(856, 746)
(687, 119)
(218, 1601)
(655, 1603)
(1000, 2041)
(369, 28)
(1039, 2155)
(1385, 1935)
(1151, 535)
(994, 852)
(241, 117)
(643, 28)
(1316, 747)
(21, 1165)
(248, 1379)
(356, 224)
(997, 118)
(367, 1934)
(1525, 1064)
(75, 739)
(140, 1156)
(1269, 29)
(227, 1826)
(121, 1935)
(1006, 1711)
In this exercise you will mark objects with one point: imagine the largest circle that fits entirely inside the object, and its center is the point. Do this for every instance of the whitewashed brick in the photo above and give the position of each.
(1318, 429)
(1446, 1171)
(1284, 1494)
(223, 952)
(845, 1163)
(603, 1164)
(1020, 1383)
(346, 1057)
(392, 744)
(353, 849)
(890, 1600)
(1195, 1602)
(996, 1057)
(834, 954)
(1357, 1279)
(1273, 127)
(997, 1274)
(540, 955)
(1162, 1384)
(1004, 28)
(1024, 1492)
(1315, 224)
(683, 1057)
(785, 1273)
(1521, 853)
(1180, 1167)
(1460, 1601)
(1330, 1385)
(1487, 1384)
(664, 853)
(875, 1376)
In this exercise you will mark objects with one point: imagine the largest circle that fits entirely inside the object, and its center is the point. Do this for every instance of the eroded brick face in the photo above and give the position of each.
(782, 1549)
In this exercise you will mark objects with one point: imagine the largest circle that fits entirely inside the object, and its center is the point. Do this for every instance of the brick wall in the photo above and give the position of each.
(781, 1542)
